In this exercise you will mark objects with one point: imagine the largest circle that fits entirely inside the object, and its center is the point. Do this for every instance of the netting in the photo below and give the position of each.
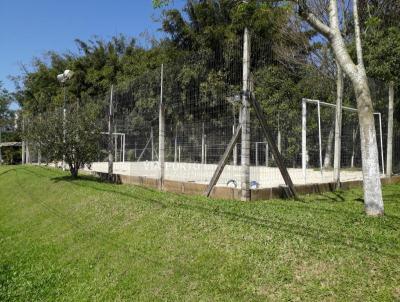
(201, 93)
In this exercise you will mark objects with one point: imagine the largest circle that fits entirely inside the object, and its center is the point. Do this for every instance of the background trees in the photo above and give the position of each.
(289, 61)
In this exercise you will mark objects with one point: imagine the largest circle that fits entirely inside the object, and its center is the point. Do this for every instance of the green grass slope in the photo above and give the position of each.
(80, 240)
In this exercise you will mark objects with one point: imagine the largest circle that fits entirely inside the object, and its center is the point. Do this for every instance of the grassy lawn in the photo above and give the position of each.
(79, 240)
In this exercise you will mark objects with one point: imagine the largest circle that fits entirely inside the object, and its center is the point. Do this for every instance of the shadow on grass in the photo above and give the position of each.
(316, 234)
(7, 171)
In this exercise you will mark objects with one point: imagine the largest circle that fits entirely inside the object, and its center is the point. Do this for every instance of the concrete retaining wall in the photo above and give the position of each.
(234, 193)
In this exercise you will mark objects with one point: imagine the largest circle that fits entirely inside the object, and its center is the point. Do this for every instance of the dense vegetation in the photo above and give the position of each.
(289, 61)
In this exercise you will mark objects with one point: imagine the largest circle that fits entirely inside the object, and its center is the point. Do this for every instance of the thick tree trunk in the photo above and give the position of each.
(338, 125)
(369, 150)
(353, 146)
(74, 168)
(328, 150)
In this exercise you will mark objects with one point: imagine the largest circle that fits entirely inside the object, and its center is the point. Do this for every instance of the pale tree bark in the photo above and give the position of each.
(356, 72)
(338, 126)
(328, 150)
(389, 149)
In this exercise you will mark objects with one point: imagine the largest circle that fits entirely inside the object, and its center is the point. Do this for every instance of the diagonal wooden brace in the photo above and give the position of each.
(222, 163)
(274, 149)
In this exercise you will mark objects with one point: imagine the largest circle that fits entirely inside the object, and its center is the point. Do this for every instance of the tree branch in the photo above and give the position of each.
(312, 19)
(357, 32)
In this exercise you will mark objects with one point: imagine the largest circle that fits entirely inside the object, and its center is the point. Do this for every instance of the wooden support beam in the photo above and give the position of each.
(145, 147)
(222, 163)
(274, 149)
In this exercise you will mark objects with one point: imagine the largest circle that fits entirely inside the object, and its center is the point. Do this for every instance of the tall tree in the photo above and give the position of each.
(356, 71)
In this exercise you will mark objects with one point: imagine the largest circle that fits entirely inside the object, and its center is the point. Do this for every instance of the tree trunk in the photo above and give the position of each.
(328, 152)
(338, 125)
(110, 141)
(369, 150)
(389, 149)
(74, 168)
(354, 145)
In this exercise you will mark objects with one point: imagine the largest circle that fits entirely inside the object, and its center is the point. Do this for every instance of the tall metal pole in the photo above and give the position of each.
(389, 148)
(1, 156)
(245, 121)
(176, 144)
(256, 153)
(110, 141)
(304, 139)
(23, 141)
(161, 132)
(64, 130)
(338, 126)
(381, 141)
(152, 144)
(234, 148)
(279, 136)
(123, 150)
(115, 143)
(320, 139)
(202, 144)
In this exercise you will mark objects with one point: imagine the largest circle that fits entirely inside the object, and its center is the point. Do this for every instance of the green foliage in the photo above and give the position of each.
(11, 155)
(79, 145)
(382, 53)
(5, 113)
(160, 3)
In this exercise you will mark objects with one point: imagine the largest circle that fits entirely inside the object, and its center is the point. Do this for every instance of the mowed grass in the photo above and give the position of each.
(80, 240)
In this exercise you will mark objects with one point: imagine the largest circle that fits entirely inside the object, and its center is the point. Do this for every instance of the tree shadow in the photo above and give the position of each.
(317, 234)
(7, 171)
(337, 196)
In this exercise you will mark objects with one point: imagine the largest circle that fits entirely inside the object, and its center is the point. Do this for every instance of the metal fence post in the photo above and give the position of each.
(245, 171)
(161, 132)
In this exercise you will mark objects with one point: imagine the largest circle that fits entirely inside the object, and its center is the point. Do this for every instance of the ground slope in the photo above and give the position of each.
(74, 240)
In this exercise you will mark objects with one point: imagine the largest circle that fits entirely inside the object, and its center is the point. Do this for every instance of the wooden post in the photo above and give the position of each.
(223, 161)
(245, 122)
(135, 150)
(291, 192)
(389, 148)
(23, 142)
(304, 139)
(234, 148)
(115, 143)
(161, 132)
(144, 149)
(27, 153)
(179, 153)
(176, 144)
(279, 136)
(257, 154)
(110, 141)
(152, 144)
(205, 153)
(338, 126)
(266, 155)
(123, 148)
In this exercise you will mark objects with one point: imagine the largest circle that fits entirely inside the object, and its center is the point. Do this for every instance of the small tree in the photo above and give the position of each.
(79, 145)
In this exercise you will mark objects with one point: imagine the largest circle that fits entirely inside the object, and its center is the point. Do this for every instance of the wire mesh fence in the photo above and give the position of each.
(201, 96)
